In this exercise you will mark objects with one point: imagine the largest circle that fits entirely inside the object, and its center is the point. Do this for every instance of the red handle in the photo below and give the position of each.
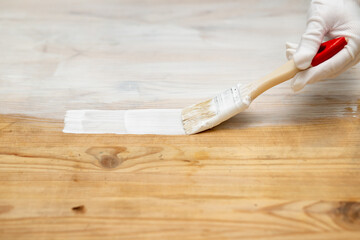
(328, 49)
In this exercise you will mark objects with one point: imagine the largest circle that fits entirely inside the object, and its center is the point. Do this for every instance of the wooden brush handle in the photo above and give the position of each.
(289, 70)
(280, 75)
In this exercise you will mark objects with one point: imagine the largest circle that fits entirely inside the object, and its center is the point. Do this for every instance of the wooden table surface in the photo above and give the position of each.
(288, 168)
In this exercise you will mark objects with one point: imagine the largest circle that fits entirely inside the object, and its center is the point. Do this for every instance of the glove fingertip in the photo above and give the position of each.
(291, 45)
(296, 87)
(297, 83)
(303, 58)
(290, 53)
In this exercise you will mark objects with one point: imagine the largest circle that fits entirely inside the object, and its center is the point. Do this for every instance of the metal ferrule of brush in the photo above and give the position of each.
(231, 102)
(224, 106)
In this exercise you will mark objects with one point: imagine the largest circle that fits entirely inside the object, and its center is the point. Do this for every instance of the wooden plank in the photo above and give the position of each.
(127, 218)
(263, 182)
(287, 168)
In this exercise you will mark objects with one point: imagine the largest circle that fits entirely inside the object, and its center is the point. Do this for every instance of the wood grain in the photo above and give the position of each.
(288, 168)
(298, 182)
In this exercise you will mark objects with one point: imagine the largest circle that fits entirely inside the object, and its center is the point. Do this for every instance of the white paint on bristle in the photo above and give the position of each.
(144, 121)
(224, 106)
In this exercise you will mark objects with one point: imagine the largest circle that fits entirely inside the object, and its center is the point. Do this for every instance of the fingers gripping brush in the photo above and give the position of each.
(210, 113)
(193, 119)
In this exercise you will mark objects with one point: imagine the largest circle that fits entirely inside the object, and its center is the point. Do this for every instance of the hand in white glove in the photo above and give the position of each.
(331, 19)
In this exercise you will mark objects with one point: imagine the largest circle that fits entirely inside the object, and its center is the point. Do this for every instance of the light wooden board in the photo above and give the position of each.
(282, 182)
(288, 168)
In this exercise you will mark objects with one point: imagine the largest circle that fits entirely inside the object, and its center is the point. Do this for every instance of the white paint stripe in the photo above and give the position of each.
(145, 121)
(154, 121)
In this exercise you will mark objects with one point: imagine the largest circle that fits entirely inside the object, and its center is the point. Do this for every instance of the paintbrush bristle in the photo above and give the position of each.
(205, 115)
(197, 113)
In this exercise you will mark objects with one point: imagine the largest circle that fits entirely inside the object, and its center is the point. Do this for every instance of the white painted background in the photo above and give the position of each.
(104, 54)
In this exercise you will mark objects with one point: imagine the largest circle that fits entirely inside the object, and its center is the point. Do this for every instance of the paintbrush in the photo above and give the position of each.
(210, 113)
(192, 119)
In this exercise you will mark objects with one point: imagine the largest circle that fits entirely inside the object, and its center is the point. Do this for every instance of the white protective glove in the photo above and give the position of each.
(326, 19)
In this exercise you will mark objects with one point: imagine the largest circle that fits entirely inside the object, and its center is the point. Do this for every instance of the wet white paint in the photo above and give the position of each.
(141, 121)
